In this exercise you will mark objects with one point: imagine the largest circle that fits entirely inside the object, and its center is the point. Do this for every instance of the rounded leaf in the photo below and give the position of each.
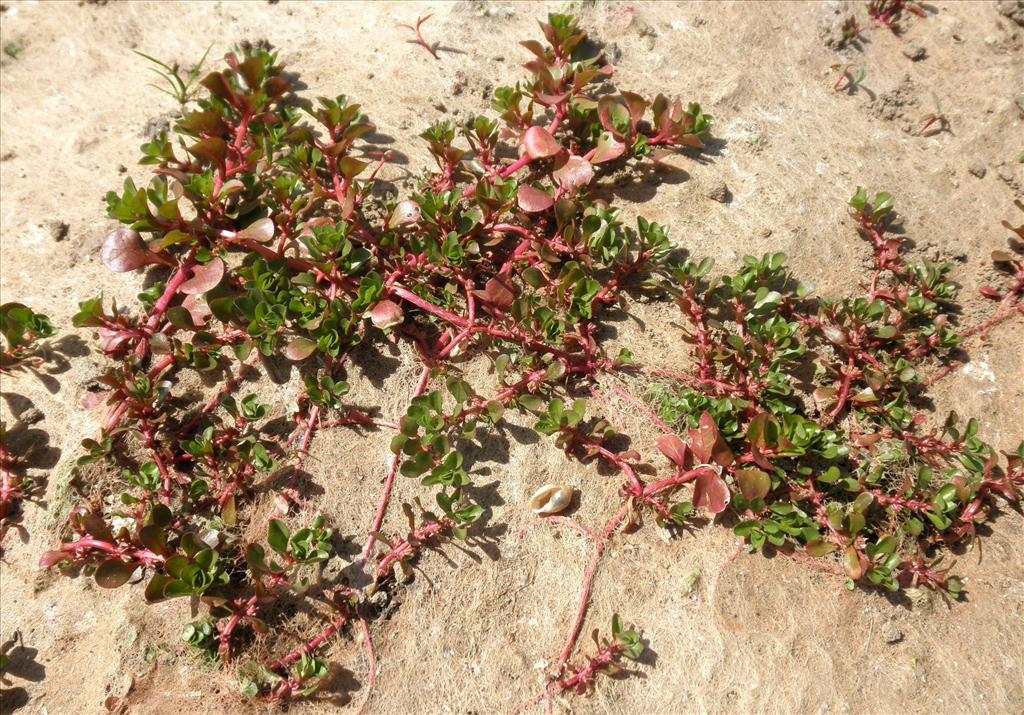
(711, 492)
(198, 309)
(852, 564)
(299, 349)
(113, 573)
(819, 548)
(574, 173)
(608, 149)
(499, 292)
(405, 212)
(533, 200)
(124, 250)
(205, 277)
(386, 314)
(261, 230)
(753, 483)
(673, 448)
(153, 538)
(539, 143)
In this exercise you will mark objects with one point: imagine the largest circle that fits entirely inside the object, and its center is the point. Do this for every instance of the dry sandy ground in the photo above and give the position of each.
(477, 628)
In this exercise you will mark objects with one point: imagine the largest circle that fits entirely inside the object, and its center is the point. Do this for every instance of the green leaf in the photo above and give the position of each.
(277, 536)
(113, 573)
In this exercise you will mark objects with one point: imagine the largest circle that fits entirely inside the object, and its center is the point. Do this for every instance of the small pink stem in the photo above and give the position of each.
(588, 583)
(389, 482)
(408, 295)
(327, 634)
(643, 408)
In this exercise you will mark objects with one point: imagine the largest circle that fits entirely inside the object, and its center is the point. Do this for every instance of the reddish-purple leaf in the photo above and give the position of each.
(124, 250)
(608, 149)
(711, 492)
(498, 292)
(405, 212)
(299, 349)
(539, 143)
(198, 309)
(574, 173)
(52, 558)
(205, 276)
(637, 106)
(673, 448)
(92, 400)
(386, 314)
(261, 230)
(707, 443)
(533, 200)
(550, 100)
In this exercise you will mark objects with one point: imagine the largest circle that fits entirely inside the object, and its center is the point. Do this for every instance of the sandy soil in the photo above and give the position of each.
(478, 627)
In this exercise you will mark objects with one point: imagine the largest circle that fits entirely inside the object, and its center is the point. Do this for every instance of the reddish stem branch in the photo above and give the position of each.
(389, 481)
(312, 645)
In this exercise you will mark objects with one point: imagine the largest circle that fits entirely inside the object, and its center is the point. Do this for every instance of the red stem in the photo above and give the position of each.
(312, 645)
(389, 481)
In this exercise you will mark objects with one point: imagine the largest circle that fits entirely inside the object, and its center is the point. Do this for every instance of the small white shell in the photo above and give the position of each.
(551, 499)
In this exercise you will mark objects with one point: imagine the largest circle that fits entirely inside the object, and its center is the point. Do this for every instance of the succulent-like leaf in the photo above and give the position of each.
(711, 492)
(539, 143)
(205, 277)
(533, 200)
(113, 573)
(124, 250)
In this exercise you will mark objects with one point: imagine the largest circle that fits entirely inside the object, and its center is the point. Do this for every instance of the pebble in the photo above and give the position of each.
(718, 192)
(58, 229)
(892, 633)
(978, 169)
(915, 51)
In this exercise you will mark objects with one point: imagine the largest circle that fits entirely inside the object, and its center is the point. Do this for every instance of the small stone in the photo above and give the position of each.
(334, 569)
(58, 229)
(892, 633)
(30, 416)
(460, 82)
(380, 599)
(155, 127)
(978, 169)
(1013, 9)
(439, 106)
(718, 192)
(915, 51)
(764, 232)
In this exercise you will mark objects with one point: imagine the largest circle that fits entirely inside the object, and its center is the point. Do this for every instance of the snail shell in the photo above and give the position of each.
(551, 499)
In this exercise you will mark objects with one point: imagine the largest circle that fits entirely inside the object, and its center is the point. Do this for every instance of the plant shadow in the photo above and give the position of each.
(23, 664)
